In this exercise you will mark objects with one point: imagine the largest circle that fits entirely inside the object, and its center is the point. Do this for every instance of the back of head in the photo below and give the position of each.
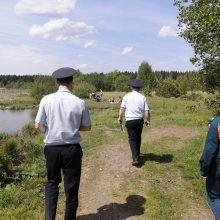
(64, 75)
(136, 84)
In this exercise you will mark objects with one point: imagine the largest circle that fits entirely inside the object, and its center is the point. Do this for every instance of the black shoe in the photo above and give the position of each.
(135, 163)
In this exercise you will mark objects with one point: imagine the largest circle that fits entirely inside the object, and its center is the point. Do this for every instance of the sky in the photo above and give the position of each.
(40, 36)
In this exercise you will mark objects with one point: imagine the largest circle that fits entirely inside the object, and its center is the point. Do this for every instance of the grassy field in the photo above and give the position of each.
(168, 180)
(16, 100)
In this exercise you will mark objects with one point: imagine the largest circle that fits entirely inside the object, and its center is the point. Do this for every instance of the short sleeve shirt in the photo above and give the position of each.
(63, 114)
(135, 105)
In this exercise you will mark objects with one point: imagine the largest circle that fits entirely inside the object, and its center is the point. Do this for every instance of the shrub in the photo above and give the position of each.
(122, 83)
(168, 88)
(83, 89)
(9, 156)
(29, 130)
(193, 96)
(42, 86)
(3, 136)
(146, 91)
(213, 103)
(10, 148)
(32, 149)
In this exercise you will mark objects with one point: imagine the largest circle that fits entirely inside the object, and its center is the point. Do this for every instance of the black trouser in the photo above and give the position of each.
(134, 129)
(69, 159)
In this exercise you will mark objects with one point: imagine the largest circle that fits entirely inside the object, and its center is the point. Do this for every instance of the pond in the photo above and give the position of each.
(11, 122)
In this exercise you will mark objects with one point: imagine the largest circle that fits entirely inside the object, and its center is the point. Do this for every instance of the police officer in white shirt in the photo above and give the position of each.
(60, 117)
(137, 113)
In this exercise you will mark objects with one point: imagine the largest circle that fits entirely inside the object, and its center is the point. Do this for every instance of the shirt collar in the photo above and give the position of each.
(63, 90)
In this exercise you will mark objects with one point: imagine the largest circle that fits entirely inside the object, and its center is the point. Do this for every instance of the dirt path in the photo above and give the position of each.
(103, 176)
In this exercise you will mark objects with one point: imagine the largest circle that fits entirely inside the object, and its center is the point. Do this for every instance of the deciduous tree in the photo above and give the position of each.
(199, 23)
(146, 75)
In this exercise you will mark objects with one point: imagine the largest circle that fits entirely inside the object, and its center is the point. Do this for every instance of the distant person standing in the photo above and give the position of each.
(210, 166)
(60, 117)
(137, 113)
(119, 99)
(112, 100)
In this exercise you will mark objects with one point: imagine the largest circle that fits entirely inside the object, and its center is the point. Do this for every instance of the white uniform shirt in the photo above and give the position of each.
(63, 113)
(135, 105)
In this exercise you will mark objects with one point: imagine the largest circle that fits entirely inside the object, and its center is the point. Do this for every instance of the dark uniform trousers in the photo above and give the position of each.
(134, 129)
(69, 159)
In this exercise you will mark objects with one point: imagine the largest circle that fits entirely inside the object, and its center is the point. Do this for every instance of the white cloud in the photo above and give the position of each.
(167, 31)
(21, 52)
(81, 66)
(22, 59)
(126, 50)
(44, 6)
(61, 30)
(89, 44)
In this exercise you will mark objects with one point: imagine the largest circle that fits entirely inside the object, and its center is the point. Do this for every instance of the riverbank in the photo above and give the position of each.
(16, 99)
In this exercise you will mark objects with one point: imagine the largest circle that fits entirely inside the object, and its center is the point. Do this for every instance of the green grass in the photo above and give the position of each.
(179, 112)
(167, 176)
(187, 159)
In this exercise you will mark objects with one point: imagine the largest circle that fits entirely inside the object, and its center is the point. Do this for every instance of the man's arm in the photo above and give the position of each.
(120, 114)
(40, 119)
(86, 121)
(85, 128)
(40, 127)
(147, 117)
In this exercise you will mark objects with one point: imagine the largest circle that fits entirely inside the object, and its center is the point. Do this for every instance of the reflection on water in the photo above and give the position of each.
(12, 121)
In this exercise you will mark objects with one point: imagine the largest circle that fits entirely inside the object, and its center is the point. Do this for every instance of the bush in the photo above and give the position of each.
(83, 90)
(32, 149)
(10, 148)
(42, 86)
(193, 96)
(146, 91)
(122, 83)
(168, 88)
(9, 157)
(29, 130)
(3, 136)
(213, 103)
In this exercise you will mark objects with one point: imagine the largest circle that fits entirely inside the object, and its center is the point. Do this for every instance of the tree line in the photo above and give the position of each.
(165, 83)
(16, 81)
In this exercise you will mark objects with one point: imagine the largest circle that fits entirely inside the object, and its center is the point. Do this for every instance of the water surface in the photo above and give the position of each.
(12, 121)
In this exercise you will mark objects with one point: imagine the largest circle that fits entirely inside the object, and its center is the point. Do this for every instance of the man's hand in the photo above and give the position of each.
(40, 127)
(120, 120)
(85, 128)
(204, 178)
(120, 115)
(147, 123)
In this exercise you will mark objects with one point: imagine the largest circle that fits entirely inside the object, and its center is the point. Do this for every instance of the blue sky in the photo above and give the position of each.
(37, 37)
